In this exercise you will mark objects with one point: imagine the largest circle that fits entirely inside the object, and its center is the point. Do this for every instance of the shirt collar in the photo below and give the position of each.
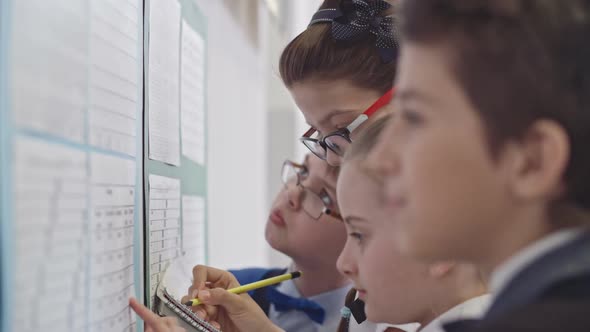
(412, 327)
(515, 264)
(472, 308)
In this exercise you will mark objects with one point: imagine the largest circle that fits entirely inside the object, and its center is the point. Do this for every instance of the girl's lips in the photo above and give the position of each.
(277, 219)
(362, 294)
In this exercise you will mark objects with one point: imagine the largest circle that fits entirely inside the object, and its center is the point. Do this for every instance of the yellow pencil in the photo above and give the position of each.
(254, 285)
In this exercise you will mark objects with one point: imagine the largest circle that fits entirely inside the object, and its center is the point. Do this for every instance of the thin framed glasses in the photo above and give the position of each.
(339, 140)
(314, 204)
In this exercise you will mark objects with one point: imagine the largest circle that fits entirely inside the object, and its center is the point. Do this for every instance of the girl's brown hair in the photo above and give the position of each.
(360, 148)
(315, 55)
(345, 321)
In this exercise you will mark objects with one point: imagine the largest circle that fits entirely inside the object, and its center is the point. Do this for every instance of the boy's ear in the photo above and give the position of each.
(538, 161)
(440, 269)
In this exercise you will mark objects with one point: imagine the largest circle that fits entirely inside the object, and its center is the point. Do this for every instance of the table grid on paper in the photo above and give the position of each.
(164, 225)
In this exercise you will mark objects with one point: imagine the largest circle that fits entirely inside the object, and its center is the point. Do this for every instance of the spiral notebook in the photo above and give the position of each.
(166, 305)
(170, 289)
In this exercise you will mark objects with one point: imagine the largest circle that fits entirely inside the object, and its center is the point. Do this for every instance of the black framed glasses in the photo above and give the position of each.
(314, 204)
(339, 140)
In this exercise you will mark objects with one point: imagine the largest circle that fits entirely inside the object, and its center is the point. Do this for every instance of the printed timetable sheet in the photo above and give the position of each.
(73, 130)
(102, 158)
(164, 226)
(163, 87)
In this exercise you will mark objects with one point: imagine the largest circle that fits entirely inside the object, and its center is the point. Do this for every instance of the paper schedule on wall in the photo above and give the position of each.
(192, 94)
(193, 228)
(71, 164)
(113, 96)
(50, 188)
(112, 246)
(164, 226)
(163, 82)
(176, 190)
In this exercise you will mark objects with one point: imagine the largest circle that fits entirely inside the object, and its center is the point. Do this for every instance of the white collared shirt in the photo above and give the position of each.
(503, 274)
(413, 327)
(473, 308)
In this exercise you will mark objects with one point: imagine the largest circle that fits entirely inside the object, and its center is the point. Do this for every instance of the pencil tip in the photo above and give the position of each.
(296, 274)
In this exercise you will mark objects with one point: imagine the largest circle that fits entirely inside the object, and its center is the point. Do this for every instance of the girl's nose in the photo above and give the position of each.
(294, 194)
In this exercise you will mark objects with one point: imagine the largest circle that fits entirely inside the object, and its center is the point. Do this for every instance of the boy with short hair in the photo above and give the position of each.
(487, 159)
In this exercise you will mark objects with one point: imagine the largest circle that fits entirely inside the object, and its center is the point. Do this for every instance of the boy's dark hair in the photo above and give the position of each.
(315, 55)
(518, 61)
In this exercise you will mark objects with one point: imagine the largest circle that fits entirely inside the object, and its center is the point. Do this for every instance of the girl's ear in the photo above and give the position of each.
(441, 269)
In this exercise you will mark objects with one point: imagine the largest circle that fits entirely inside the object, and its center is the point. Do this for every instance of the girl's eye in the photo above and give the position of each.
(304, 172)
(336, 148)
(357, 236)
(326, 198)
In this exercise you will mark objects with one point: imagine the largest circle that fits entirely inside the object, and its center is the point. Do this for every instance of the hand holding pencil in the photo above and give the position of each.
(253, 286)
(233, 312)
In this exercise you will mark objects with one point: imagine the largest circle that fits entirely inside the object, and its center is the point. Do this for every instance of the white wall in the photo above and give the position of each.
(285, 122)
(300, 13)
(236, 136)
(252, 126)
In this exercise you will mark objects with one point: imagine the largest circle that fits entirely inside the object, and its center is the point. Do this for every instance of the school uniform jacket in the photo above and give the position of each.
(551, 293)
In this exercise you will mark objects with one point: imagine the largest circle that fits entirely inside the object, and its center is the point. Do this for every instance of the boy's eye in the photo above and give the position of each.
(411, 117)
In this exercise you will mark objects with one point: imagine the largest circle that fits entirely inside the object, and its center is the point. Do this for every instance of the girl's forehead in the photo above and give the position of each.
(321, 169)
(355, 182)
(323, 102)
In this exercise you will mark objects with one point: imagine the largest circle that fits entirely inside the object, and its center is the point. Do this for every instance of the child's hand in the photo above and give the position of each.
(153, 322)
(231, 311)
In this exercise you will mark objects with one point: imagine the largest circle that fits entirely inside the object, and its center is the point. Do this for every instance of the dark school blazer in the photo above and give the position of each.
(550, 294)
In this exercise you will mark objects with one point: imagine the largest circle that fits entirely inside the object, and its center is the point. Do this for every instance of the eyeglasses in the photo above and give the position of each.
(339, 140)
(314, 204)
